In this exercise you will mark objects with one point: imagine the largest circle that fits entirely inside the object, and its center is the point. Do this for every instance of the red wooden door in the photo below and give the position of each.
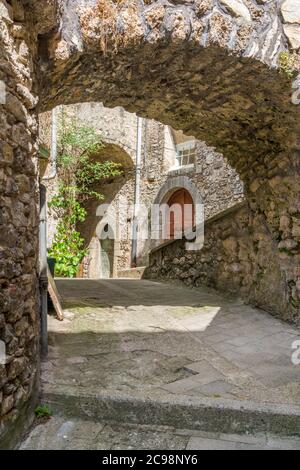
(182, 212)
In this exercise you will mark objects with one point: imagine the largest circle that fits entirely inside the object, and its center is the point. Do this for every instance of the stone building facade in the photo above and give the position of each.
(223, 71)
(159, 173)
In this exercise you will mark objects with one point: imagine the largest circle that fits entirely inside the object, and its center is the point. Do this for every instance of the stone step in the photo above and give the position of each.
(185, 412)
(61, 433)
(134, 273)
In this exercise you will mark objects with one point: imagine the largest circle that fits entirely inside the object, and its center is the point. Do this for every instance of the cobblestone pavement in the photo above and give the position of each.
(151, 338)
(59, 434)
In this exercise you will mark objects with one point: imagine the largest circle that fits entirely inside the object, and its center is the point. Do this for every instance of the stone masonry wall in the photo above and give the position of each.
(230, 261)
(19, 313)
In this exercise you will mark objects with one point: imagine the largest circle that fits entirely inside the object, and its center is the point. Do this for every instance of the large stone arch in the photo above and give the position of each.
(109, 188)
(152, 61)
(98, 213)
(116, 127)
(212, 68)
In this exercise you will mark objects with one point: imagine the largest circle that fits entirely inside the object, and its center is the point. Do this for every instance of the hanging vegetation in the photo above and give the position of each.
(78, 174)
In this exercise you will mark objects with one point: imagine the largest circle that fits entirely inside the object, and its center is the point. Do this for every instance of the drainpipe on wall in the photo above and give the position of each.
(43, 237)
(43, 270)
(53, 155)
(137, 191)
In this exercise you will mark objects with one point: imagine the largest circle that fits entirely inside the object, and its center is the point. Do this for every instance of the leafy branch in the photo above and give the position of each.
(78, 173)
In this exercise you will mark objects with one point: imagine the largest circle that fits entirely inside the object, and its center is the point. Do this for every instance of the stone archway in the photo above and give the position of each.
(212, 70)
(112, 189)
(216, 72)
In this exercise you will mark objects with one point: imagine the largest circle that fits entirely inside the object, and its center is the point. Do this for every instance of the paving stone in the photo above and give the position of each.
(183, 386)
(71, 429)
(241, 446)
(259, 439)
(201, 367)
(239, 341)
(283, 443)
(198, 443)
(275, 375)
(254, 358)
(218, 387)
(219, 338)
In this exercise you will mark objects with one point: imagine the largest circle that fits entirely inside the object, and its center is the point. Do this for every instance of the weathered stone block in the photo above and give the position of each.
(292, 31)
(6, 12)
(237, 8)
(7, 404)
(290, 10)
(6, 153)
(15, 368)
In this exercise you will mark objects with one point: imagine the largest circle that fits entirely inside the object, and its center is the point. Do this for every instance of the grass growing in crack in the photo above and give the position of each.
(286, 64)
(43, 411)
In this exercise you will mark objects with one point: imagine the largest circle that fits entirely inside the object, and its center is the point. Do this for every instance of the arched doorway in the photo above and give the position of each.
(106, 255)
(179, 196)
(181, 214)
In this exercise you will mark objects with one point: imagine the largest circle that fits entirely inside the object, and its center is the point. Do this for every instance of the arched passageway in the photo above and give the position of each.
(100, 212)
(206, 71)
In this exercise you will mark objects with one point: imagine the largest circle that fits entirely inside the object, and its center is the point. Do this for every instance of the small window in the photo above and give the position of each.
(186, 153)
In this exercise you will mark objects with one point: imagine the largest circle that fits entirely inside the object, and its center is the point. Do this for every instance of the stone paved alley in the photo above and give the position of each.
(147, 337)
(152, 341)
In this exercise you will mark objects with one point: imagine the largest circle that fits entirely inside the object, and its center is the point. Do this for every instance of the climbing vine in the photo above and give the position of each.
(78, 173)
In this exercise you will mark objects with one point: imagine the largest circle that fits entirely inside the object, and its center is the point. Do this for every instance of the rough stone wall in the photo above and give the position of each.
(45, 127)
(256, 29)
(219, 184)
(230, 261)
(19, 313)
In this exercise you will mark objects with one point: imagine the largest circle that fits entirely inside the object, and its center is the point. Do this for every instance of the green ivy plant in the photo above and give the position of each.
(78, 174)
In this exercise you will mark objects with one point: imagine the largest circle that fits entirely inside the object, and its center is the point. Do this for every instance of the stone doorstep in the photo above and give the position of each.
(62, 434)
(185, 412)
